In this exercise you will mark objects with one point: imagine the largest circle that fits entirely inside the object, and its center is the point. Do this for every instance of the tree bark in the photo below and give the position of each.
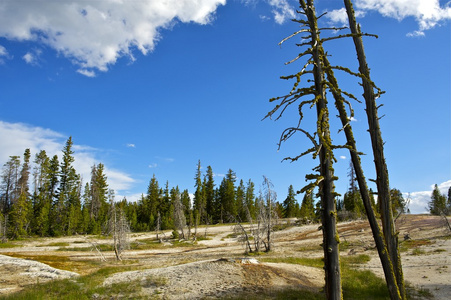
(330, 235)
(382, 181)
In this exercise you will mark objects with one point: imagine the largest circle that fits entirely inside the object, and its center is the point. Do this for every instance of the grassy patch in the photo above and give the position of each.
(55, 244)
(278, 294)
(9, 245)
(101, 247)
(362, 284)
(90, 287)
(418, 251)
(439, 250)
(411, 244)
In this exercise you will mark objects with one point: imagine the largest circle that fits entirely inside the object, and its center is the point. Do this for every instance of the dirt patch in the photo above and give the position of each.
(221, 277)
(213, 267)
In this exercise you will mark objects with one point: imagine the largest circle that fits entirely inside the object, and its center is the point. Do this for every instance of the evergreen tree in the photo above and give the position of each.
(18, 217)
(228, 201)
(152, 203)
(398, 202)
(209, 187)
(240, 200)
(250, 199)
(289, 204)
(98, 199)
(199, 194)
(438, 204)
(8, 189)
(186, 202)
(353, 203)
(308, 208)
(68, 193)
(41, 202)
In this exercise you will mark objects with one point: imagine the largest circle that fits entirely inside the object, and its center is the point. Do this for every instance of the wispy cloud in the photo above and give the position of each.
(95, 34)
(32, 57)
(165, 159)
(131, 146)
(153, 165)
(282, 11)
(16, 137)
(427, 13)
(3, 54)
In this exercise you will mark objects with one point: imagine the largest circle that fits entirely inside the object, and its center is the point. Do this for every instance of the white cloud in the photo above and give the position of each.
(153, 165)
(16, 137)
(342, 157)
(131, 146)
(3, 51)
(94, 34)
(427, 13)
(282, 11)
(3, 54)
(87, 73)
(32, 57)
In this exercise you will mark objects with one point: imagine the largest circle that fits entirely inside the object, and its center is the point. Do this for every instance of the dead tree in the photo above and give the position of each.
(243, 235)
(322, 148)
(179, 216)
(382, 180)
(118, 227)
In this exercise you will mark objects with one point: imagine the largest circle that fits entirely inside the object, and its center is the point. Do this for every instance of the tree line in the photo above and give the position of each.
(45, 196)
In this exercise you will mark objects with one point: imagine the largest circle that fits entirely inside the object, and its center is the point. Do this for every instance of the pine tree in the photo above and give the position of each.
(67, 195)
(438, 204)
(398, 202)
(8, 189)
(240, 199)
(98, 198)
(307, 213)
(199, 194)
(250, 199)
(289, 204)
(152, 203)
(209, 188)
(228, 200)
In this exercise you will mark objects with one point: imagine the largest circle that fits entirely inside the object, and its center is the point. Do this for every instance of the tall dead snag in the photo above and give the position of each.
(179, 216)
(340, 103)
(382, 182)
(322, 143)
(118, 227)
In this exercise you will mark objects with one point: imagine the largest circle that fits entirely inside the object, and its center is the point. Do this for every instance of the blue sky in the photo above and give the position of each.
(150, 88)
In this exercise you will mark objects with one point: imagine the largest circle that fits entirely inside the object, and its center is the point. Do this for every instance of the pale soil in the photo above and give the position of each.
(214, 268)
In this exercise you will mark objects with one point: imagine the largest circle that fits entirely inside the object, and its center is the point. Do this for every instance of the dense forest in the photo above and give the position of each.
(47, 197)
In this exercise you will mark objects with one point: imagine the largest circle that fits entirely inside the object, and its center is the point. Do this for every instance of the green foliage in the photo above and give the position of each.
(289, 204)
(439, 204)
(307, 211)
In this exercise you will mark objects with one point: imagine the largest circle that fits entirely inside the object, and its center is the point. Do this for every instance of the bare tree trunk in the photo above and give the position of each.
(327, 192)
(363, 188)
(383, 187)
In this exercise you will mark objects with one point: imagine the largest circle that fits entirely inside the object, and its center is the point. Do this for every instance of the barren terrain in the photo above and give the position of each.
(216, 267)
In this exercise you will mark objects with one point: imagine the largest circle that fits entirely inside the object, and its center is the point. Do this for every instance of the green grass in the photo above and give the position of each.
(411, 244)
(9, 245)
(90, 287)
(101, 247)
(357, 284)
(279, 294)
